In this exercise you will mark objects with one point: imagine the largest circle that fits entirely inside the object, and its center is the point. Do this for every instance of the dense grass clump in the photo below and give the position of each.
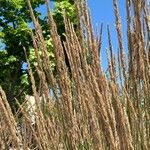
(87, 110)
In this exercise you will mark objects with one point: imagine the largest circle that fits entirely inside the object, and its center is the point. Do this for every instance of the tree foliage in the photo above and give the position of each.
(15, 35)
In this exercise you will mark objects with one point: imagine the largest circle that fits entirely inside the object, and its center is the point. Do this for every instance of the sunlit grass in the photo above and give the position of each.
(87, 110)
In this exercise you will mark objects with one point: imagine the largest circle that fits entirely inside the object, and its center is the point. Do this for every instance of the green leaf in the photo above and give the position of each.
(25, 79)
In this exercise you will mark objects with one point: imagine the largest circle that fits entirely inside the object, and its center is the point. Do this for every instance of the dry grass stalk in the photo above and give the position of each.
(90, 110)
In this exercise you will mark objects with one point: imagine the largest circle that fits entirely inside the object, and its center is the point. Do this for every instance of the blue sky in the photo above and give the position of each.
(102, 12)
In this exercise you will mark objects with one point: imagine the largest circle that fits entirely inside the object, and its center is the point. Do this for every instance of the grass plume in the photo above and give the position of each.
(87, 109)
